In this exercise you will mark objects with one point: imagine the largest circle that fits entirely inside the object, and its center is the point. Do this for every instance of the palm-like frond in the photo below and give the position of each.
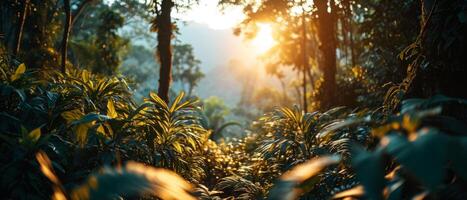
(243, 189)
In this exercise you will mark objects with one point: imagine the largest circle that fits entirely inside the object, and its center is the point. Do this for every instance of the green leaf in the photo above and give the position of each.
(457, 155)
(425, 157)
(369, 170)
(462, 17)
(176, 102)
(90, 118)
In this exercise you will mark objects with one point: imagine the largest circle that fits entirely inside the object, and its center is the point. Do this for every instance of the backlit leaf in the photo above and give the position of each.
(288, 185)
(357, 191)
(46, 167)
(72, 115)
(133, 180)
(85, 76)
(34, 135)
(111, 109)
(19, 71)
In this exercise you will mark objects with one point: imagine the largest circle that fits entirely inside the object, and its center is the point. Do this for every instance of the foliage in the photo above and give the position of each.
(413, 159)
(134, 179)
(96, 45)
(81, 134)
(84, 121)
(186, 67)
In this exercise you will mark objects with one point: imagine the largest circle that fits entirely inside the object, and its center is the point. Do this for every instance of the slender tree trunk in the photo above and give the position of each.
(284, 90)
(312, 79)
(298, 91)
(327, 37)
(19, 33)
(352, 45)
(190, 90)
(78, 11)
(305, 61)
(66, 33)
(164, 37)
(349, 19)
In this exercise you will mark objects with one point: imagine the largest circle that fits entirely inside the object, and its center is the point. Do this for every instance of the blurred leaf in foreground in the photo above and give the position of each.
(300, 179)
(133, 180)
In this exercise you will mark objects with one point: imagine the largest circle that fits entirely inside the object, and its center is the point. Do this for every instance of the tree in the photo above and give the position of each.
(186, 67)
(97, 45)
(436, 60)
(442, 42)
(162, 24)
(328, 45)
(32, 26)
(292, 31)
(19, 30)
(66, 33)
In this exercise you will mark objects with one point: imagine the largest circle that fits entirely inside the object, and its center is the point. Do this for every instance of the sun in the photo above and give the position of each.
(263, 40)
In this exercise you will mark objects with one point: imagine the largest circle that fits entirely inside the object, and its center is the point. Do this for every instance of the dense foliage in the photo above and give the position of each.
(81, 133)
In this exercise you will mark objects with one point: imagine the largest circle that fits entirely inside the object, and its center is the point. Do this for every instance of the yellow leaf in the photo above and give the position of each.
(420, 196)
(35, 134)
(72, 115)
(166, 184)
(85, 76)
(19, 71)
(101, 130)
(410, 124)
(177, 146)
(309, 168)
(357, 191)
(58, 195)
(111, 109)
(82, 132)
(46, 167)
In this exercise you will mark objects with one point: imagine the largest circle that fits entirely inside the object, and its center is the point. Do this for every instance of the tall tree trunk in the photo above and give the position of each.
(284, 90)
(305, 63)
(349, 20)
(66, 33)
(19, 33)
(164, 37)
(312, 79)
(327, 37)
(190, 90)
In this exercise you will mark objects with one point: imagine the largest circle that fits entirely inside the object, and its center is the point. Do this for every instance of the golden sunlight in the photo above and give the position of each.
(263, 40)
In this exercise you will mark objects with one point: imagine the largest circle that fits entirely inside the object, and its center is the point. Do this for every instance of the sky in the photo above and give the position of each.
(223, 55)
(207, 12)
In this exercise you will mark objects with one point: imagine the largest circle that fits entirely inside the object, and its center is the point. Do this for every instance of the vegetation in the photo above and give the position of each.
(72, 125)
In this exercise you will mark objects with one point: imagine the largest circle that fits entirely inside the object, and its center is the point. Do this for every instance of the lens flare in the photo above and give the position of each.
(263, 40)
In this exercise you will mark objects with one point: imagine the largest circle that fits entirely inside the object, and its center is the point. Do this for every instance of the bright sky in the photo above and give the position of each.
(207, 12)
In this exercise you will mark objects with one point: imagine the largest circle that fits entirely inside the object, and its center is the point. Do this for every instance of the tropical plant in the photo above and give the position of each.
(134, 179)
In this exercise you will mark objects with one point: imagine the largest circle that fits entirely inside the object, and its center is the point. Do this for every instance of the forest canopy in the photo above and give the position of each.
(233, 99)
